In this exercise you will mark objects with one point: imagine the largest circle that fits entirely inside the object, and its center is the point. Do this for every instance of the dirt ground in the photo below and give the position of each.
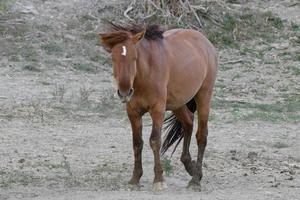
(64, 135)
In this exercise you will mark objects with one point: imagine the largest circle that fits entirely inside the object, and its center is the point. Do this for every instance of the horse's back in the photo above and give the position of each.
(195, 38)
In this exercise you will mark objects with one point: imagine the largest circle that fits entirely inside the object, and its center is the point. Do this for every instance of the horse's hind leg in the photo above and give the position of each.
(186, 118)
(202, 99)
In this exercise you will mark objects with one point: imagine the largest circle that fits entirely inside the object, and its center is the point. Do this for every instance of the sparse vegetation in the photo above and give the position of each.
(2, 29)
(294, 26)
(17, 30)
(17, 178)
(270, 117)
(29, 53)
(280, 145)
(297, 57)
(220, 38)
(85, 67)
(44, 28)
(295, 70)
(52, 48)
(59, 93)
(277, 112)
(167, 166)
(109, 104)
(66, 165)
(90, 36)
(5, 4)
(274, 20)
(97, 57)
(32, 68)
(84, 95)
(247, 25)
(14, 58)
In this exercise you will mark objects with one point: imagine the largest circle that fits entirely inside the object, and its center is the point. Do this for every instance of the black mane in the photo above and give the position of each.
(153, 32)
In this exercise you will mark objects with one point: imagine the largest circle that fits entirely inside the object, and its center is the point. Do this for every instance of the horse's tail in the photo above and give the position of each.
(174, 130)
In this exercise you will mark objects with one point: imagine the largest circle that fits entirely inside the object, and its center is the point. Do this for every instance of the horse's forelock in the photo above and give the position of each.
(113, 38)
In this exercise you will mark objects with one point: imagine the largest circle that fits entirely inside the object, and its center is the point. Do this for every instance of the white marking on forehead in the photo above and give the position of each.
(124, 51)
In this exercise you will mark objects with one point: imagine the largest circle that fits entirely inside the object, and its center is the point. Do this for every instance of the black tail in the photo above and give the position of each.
(174, 129)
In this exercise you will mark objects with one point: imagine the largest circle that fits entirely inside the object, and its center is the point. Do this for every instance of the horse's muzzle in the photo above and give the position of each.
(125, 97)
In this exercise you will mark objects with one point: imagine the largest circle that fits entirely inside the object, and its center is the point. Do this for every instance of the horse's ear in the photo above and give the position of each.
(103, 40)
(137, 37)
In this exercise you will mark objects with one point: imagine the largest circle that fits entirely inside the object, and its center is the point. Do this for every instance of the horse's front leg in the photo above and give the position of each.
(135, 119)
(157, 116)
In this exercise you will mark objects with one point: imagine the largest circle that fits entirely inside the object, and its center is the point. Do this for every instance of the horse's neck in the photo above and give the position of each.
(143, 65)
(151, 65)
(141, 75)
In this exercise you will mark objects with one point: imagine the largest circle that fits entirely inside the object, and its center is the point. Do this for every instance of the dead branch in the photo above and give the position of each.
(150, 15)
(293, 4)
(154, 5)
(180, 18)
(129, 8)
(232, 62)
(200, 8)
(195, 14)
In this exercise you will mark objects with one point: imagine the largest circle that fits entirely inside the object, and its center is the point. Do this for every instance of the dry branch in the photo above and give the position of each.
(129, 8)
(170, 12)
(232, 62)
(195, 14)
(293, 4)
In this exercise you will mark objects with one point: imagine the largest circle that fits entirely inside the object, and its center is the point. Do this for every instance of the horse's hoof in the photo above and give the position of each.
(196, 187)
(159, 186)
(133, 185)
(133, 182)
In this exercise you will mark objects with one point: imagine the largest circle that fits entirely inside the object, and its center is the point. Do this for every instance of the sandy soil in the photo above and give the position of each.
(63, 135)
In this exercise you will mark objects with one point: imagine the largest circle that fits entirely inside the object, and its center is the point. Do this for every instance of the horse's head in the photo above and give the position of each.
(121, 45)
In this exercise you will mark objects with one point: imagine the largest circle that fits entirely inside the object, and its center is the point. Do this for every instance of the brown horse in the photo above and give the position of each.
(157, 71)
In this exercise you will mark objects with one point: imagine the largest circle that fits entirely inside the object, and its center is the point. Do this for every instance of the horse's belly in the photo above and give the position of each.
(184, 83)
(176, 100)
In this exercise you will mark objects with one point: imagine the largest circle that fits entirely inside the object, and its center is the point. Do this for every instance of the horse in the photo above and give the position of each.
(159, 70)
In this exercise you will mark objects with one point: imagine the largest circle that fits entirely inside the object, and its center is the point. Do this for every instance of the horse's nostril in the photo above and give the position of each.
(130, 92)
(120, 94)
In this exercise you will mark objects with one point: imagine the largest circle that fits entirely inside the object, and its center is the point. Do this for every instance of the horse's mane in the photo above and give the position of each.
(153, 32)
